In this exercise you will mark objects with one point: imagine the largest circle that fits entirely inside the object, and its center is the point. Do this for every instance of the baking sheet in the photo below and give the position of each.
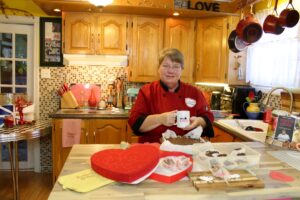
(292, 158)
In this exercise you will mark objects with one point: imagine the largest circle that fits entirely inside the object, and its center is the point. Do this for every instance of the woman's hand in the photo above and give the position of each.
(194, 122)
(168, 118)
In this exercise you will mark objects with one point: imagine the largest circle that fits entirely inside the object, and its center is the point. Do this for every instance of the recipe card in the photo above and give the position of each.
(83, 181)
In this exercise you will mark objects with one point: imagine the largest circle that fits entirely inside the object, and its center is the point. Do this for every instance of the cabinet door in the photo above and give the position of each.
(179, 33)
(79, 33)
(221, 136)
(147, 43)
(60, 153)
(211, 51)
(108, 131)
(111, 34)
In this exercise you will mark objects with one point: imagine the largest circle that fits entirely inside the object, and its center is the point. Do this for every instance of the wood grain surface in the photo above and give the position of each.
(79, 159)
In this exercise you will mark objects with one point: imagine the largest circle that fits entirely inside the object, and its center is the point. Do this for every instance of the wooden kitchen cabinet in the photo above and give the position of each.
(93, 131)
(223, 136)
(93, 33)
(108, 131)
(214, 61)
(147, 42)
(211, 51)
(180, 34)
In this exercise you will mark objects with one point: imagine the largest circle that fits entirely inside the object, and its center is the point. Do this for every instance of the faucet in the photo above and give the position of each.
(282, 88)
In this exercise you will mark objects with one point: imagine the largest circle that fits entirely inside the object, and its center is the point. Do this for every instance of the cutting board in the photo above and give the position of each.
(246, 180)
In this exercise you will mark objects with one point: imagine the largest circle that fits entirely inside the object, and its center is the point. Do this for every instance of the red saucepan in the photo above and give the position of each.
(289, 17)
(271, 23)
(249, 29)
(235, 43)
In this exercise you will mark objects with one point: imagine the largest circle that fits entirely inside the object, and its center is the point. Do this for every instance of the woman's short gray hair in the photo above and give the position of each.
(174, 54)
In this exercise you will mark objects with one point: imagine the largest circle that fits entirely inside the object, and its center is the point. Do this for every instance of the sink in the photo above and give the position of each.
(253, 135)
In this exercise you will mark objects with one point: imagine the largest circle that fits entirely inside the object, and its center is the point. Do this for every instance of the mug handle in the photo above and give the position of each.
(245, 103)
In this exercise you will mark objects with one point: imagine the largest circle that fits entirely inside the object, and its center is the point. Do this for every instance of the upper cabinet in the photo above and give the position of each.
(214, 61)
(147, 42)
(179, 33)
(211, 51)
(79, 30)
(90, 33)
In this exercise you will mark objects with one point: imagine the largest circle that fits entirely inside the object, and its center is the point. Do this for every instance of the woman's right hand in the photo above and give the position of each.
(168, 118)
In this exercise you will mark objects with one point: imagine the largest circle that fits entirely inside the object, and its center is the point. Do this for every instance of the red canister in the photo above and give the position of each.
(267, 116)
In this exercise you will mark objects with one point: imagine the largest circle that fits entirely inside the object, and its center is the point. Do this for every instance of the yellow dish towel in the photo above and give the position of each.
(83, 181)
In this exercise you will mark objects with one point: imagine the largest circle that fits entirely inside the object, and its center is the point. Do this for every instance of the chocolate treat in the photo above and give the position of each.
(184, 140)
(212, 153)
(241, 154)
(222, 155)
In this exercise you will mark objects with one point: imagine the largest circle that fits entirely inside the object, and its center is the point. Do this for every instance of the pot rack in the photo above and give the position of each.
(14, 11)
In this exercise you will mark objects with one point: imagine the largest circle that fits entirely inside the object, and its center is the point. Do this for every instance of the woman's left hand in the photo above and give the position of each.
(194, 122)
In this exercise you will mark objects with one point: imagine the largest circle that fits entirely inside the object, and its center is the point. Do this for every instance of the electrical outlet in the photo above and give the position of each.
(45, 73)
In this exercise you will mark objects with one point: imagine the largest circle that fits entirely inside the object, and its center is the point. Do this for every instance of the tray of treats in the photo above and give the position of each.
(232, 155)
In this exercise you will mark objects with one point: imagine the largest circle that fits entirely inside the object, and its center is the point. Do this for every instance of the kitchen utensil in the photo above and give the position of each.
(235, 43)
(249, 29)
(289, 17)
(271, 23)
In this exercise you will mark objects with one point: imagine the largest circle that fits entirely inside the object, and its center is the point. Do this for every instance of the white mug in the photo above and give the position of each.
(183, 118)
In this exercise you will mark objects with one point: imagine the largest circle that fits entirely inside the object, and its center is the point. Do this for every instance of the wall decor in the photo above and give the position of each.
(50, 42)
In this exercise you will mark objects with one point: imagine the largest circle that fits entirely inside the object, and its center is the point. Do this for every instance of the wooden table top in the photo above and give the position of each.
(79, 159)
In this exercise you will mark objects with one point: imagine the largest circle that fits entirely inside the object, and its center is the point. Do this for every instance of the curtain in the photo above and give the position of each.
(275, 59)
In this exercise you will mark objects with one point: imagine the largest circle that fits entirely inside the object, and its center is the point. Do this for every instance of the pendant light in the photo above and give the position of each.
(100, 3)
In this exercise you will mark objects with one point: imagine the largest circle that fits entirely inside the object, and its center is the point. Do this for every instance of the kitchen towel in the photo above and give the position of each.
(71, 131)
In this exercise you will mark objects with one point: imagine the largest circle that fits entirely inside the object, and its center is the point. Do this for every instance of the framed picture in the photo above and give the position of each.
(51, 42)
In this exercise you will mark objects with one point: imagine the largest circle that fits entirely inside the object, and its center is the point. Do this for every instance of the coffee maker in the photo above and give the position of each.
(238, 99)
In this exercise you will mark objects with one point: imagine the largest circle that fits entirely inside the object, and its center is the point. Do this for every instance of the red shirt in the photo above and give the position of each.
(154, 98)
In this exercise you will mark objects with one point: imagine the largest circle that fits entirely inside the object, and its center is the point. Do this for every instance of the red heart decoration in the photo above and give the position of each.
(126, 165)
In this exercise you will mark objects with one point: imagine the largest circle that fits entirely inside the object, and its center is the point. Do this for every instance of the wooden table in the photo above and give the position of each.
(18, 133)
(79, 159)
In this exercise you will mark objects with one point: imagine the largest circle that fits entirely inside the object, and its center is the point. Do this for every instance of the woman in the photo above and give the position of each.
(157, 103)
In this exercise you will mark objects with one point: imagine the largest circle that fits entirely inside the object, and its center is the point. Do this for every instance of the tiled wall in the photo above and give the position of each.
(49, 100)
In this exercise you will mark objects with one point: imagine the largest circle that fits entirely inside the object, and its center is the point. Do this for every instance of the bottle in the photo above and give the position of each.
(92, 100)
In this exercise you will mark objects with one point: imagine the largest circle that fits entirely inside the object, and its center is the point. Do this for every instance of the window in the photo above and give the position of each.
(16, 66)
(275, 59)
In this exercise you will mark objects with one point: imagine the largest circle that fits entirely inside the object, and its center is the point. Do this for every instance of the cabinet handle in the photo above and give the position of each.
(86, 137)
(98, 37)
(94, 136)
(92, 40)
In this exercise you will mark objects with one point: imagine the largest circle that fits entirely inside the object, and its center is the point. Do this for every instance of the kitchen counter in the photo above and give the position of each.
(79, 159)
(233, 129)
(90, 114)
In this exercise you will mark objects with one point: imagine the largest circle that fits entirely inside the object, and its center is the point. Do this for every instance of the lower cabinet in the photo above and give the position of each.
(223, 136)
(93, 131)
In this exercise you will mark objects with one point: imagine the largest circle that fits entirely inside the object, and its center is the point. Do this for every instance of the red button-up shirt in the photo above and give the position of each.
(154, 98)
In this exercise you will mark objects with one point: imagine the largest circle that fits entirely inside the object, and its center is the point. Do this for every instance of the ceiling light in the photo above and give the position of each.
(56, 10)
(100, 3)
(176, 13)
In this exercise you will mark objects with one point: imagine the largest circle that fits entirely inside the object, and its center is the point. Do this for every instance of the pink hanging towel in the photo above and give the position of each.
(71, 131)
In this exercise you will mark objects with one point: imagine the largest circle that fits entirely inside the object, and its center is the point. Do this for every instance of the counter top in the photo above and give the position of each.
(232, 128)
(79, 159)
(90, 114)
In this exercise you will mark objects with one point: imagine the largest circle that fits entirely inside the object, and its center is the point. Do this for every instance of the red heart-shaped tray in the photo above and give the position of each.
(126, 165)
(166, 178)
